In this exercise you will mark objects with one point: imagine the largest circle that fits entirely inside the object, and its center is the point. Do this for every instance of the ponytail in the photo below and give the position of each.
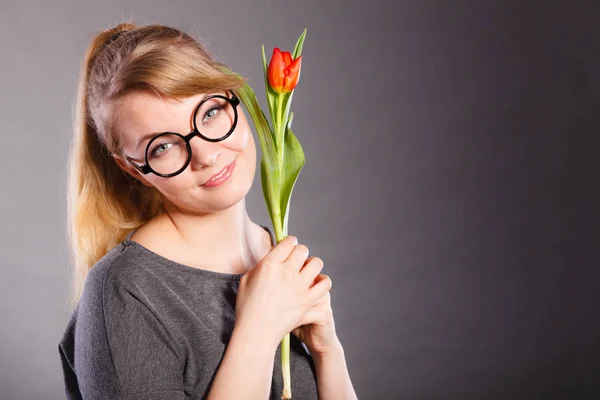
(103, 202)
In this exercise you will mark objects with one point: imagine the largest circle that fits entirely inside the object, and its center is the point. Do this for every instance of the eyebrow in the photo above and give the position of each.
(143, 139)
(147, 136)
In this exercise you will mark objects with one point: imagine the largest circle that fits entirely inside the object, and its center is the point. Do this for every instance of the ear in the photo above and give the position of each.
(130, 169)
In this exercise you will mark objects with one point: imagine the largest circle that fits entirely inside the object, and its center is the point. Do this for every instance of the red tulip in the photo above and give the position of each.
(283, 72)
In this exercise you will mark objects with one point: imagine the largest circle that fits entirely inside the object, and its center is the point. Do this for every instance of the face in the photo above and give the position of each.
(140, 114)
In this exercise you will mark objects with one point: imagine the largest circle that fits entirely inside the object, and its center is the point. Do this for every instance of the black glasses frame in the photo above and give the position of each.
(146, 168)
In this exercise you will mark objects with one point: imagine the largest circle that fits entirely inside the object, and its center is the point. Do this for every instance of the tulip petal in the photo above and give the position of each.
(287, 58)
(294, 70)
(274, 74)
(294, 67)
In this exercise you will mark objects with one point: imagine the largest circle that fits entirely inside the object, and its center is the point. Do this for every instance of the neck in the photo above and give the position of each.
(227, 237)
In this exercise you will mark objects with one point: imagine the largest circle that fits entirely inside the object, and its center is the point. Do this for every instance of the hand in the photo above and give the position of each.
(317, 328)
(278, 291)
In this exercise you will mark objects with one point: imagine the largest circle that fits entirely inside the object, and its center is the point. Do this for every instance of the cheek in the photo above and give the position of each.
(241, 138)
(174, 186)
(248, 152)
(242, 142)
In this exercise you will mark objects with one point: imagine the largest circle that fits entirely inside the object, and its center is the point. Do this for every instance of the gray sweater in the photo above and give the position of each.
(147, 327)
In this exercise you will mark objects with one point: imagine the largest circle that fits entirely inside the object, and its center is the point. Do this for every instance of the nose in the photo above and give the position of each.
(204, 153)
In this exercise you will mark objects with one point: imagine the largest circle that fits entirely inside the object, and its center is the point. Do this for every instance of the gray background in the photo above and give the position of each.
(450, 187)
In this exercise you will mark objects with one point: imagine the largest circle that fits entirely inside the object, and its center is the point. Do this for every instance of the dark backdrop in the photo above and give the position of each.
(451, 182)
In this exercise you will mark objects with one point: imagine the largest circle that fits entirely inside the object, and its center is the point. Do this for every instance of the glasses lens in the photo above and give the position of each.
(214, 118)
(167, 153)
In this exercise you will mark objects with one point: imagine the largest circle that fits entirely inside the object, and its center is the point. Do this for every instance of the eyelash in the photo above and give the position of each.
(213, 108)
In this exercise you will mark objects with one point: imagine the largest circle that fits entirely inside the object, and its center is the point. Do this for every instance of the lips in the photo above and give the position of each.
(221, 172)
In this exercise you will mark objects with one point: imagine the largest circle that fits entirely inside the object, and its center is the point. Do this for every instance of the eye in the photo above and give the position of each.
(211, 113)
(160, 149)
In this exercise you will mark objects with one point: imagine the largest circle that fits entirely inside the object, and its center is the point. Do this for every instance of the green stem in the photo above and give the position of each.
(285, 342)
(280, 130)
(285, 367)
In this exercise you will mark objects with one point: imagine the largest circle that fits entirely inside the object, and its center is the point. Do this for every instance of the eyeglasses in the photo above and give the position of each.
(169, 153)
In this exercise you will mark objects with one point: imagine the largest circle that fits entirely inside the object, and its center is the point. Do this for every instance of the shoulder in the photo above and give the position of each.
(109, 287)
(111, 271)
(113, 335)
(83, 347)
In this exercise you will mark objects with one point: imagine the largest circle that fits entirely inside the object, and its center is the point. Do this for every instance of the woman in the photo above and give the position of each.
(177, 294)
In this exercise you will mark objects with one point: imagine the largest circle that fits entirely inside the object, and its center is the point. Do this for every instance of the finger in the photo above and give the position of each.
(310, 317)
(324, 300)
(315, 315)
(297, 257)
(318, 279)
(320, 288)
(282, 250)
(310, 270)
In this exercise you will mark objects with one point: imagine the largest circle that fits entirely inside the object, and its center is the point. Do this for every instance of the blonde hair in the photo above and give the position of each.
(104, 202)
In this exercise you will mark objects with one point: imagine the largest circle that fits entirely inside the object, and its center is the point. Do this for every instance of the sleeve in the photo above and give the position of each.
(122, 351)
(65, 350)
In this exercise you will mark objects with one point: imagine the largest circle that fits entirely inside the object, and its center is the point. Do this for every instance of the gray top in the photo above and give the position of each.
(147, 327)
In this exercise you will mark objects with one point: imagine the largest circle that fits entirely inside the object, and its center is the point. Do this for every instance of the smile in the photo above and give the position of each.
(221, 176)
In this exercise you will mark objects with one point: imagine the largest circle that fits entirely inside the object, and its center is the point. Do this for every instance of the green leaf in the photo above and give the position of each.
(265, 65)
(249, 99)
(292, 165)
(299, 44)
(271, 94)
(287, 103)
(270, 173)
(266, 191)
